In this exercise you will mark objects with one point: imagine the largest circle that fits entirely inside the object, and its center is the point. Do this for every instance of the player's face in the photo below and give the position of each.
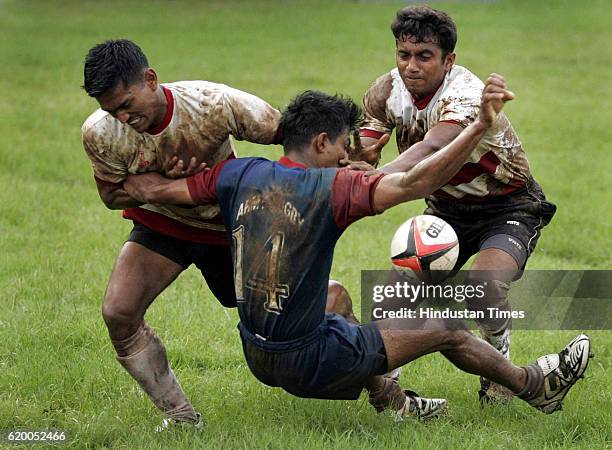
(421, 66)
(139, 104)
(336, 150)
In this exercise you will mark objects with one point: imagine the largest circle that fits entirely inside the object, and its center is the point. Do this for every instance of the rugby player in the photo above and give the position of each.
(174, 128)
(284, 219)
(493, 202)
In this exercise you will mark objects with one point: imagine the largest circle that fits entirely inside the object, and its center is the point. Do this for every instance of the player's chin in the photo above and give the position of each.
(140, 125)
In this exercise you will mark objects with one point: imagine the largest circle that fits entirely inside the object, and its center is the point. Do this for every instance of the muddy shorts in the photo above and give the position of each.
(332, 362)
(511, 222)
(214, 261)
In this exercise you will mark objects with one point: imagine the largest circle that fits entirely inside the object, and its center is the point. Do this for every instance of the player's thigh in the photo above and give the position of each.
(216, 264)
(139, 275)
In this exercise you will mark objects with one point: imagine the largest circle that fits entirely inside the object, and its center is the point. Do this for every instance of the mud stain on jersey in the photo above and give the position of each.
(375, 100)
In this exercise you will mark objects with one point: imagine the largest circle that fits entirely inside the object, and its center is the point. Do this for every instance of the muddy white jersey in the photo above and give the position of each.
(497, 166)
(200, 121)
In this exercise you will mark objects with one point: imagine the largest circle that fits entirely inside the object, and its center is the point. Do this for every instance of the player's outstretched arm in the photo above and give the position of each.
(433, 172)
(155, 189)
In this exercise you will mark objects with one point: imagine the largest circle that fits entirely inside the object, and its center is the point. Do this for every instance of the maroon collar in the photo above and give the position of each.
(168, 116)
(422, 104)
(291, 164)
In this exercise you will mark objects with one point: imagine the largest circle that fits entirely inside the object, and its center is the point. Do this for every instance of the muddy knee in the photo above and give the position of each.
(122, 318)
(339, 301)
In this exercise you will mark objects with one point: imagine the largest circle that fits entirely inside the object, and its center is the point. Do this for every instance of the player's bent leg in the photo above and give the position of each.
(495, 268)
(138, 277)
(339, 301)
(384, 391)
(543, 385)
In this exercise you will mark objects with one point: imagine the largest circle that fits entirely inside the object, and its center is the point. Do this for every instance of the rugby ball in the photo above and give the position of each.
(425, 248)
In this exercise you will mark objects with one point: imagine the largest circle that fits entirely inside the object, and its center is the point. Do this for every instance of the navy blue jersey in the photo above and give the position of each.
(284, 224)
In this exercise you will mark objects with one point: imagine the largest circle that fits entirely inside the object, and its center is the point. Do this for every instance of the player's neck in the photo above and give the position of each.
(164, 111)
(299, 157)
(162, 108)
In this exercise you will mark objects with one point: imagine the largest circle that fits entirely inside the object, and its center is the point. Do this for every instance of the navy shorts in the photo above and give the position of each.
(214, 261)
(332, 362)
(511, 222)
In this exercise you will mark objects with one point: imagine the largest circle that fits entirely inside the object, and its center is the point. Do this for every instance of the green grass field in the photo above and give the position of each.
(58, 242)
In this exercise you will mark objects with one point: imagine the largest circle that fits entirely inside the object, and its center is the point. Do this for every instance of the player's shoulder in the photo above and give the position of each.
(99, 123)
(380, 90)
(199, 90)
(462, 84)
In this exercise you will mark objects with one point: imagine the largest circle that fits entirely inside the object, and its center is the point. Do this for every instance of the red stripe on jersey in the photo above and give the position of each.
(174, 228)
(171, 227)
(451, 121)
(517, 184)
(168, 116)
(488, 164)
(366, 132)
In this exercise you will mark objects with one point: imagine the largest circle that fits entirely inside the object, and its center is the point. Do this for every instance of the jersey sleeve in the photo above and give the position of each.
(250, 118)
(377, 119)
(352, 196)
(104, 168)
(203, 185)
(459, 110)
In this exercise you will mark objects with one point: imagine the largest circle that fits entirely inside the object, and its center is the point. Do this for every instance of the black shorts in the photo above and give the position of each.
(214, 261)
(511, 222)
(333, 362)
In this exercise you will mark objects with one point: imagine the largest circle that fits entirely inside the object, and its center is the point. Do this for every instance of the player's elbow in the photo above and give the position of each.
(110, 200)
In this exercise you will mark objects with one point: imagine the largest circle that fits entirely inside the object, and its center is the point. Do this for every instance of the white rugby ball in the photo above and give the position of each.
(426, 248)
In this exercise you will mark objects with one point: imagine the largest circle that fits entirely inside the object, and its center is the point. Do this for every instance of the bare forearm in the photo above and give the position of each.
(158, 190)
(116, 197)
(433, 172)
(410, 158)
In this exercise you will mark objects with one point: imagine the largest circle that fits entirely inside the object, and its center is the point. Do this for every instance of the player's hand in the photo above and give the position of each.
(175, 167)
(494, 96)
(356, 165)
(371, 153)
(142, 186)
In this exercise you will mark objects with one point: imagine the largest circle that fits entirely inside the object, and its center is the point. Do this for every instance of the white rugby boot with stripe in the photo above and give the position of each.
(420, 407)
(552, 376)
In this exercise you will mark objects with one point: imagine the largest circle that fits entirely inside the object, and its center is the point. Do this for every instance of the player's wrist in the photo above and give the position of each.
(481, 125)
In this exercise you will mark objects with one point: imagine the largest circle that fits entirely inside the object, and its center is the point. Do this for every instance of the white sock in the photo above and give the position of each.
(147, 363)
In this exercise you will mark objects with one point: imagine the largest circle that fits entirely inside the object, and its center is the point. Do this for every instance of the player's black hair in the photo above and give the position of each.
(424, 23)
(314, 112)
(110, 62)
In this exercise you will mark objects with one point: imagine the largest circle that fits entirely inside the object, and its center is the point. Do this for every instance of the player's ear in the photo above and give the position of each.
(449, 60)
(319, 142)
(150, 78)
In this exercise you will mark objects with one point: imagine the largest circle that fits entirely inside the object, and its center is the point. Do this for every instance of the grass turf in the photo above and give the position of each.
(58, 242)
